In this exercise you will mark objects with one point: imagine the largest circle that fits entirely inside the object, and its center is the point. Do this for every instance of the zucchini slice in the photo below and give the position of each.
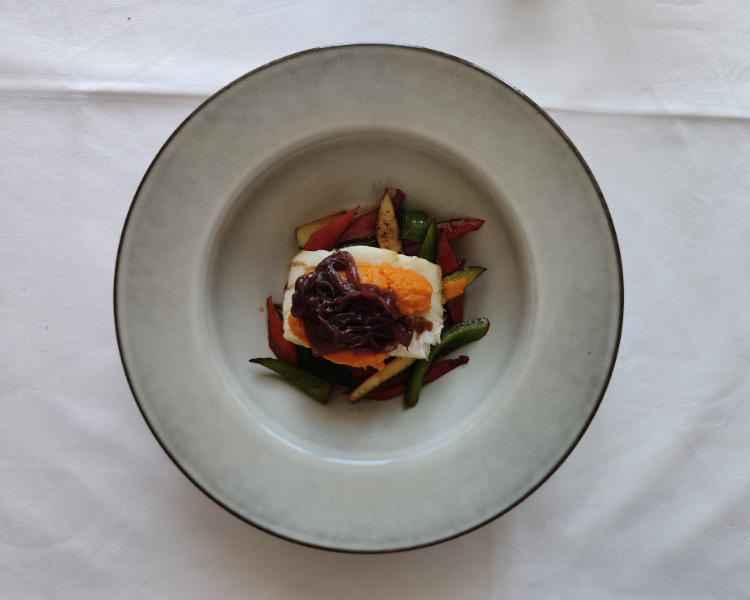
(455, 283)
(393, 368)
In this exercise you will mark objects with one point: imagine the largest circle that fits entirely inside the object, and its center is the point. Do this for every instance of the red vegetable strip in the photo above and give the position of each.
(411, 248)
(282, 348)
(397, 385)
(455, 228)
(397, 199)
(359, 374)
(455, 309)
(360, 228)
(384, 391)
(364, 226)
(326, 237)
(444, 256)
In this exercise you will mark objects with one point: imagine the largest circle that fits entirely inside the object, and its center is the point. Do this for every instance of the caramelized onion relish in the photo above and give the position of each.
(340, 312)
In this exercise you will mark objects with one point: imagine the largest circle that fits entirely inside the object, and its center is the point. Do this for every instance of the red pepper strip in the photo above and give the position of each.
(444, 256)
(397, 199)
(448, 263)
(360, 228)
(397, 385)
(455, 309)
(282, 348)
(411, 248)
(364, 226)
(360, 374)
(325, 237)
(455, 228)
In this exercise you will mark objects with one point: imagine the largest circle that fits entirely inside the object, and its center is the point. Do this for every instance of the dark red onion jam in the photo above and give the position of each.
(341, 313)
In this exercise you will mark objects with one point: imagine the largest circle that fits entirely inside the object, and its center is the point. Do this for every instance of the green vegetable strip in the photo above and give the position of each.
(467, 273)
(455, 337)
(369, 241)
(414, 225)
(429, 245)
(315, 386)
(390, 371)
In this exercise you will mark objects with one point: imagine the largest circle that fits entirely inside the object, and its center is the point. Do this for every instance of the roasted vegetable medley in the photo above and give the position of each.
(372, 302)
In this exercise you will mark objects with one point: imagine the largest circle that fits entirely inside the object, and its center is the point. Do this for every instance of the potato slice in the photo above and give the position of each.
(386, 226)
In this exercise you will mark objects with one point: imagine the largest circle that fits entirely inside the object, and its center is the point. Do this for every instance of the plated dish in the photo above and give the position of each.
(211, 230)
(372, 300)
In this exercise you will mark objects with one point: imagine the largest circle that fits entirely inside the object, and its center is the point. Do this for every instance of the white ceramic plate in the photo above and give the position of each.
(210, 235)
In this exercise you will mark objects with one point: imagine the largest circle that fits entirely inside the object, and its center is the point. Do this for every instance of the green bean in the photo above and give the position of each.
(454, 337)
(316, 387)
(429, 245)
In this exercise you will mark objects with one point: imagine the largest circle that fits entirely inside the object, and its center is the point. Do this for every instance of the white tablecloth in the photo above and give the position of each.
(655, 500)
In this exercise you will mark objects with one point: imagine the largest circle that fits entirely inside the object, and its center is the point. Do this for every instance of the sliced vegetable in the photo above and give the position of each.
(461, 334)
(282, 348)
(325, 238)
(453, 286)
(304, 232)
(429, 245)
(361, 227)
(393, 368)
(397, 385)
(398, 198)
(468, 273)
(370, 241)
(455, 337)
(455, 283)
(444, 255)
(414, 225)
(359, 374)
(411, 248)
(455, 309)
(386, 226)
(364, 225)
(455, 228)
(325, 369)
(318, 388)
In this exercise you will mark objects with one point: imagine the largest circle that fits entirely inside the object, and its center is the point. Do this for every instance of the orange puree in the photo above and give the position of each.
(359, 359)
(413, 291)
(297, 327)
(453, 289)
(346, 357)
